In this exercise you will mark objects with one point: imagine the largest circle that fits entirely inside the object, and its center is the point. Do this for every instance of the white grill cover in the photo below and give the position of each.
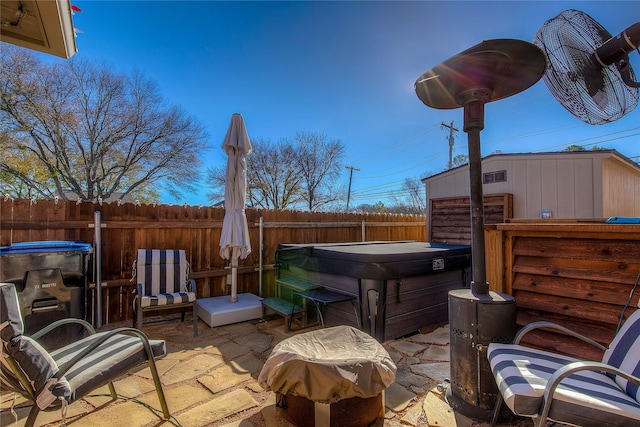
(329, 365)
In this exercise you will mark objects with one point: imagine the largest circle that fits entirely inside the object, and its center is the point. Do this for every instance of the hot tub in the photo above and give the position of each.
(398, 287)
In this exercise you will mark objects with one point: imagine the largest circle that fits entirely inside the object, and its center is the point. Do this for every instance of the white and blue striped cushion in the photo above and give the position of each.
(114, 357)
(624, 353)
(584, 398)
(161, 271)
(163, 274)
(166, 299)
(33, 359)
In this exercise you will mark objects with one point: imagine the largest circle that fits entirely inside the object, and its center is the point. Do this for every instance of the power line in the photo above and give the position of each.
(394, 146)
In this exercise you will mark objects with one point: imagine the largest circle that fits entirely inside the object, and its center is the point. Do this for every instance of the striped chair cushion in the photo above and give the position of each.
(586, 398)
(624, 353)
(36, 363)
(113, 358)
(166, 299)
(161, 271)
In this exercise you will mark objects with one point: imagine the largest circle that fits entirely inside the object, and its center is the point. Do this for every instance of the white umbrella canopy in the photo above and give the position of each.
(234, 239)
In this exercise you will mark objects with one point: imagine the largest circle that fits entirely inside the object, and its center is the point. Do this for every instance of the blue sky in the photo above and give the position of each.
(344, 69)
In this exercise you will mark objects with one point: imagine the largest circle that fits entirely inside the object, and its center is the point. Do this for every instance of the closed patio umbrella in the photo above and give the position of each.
(234, 239)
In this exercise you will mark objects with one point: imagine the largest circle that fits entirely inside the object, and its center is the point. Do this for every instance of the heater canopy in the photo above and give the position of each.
(503, 67)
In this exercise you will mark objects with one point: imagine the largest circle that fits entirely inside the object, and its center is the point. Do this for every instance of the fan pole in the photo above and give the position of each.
(473, 101)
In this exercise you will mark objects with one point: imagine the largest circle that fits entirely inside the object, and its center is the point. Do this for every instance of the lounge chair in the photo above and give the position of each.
(52, 380)
(546, 386)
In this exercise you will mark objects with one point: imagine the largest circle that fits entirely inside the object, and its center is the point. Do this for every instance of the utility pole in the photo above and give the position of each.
(451, 131)
(351, 169)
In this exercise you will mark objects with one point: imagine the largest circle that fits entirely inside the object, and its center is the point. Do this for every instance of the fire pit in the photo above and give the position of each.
(329, 377)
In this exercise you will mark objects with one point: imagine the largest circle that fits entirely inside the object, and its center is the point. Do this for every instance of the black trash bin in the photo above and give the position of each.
(51, 281)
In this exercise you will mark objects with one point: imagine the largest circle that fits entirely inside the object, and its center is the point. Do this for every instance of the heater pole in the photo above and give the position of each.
(474, 101)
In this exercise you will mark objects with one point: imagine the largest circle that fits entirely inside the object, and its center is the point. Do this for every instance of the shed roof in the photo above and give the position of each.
(587, 153)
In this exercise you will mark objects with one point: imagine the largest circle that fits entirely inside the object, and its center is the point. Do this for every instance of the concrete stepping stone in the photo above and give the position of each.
(438, 412)
(436, 353)
(237, 329)
(44, 418)
(130, 386)
(241, 423)
(407, 378)
(178, 398)
(258, 342)
(414, 416)
(397, 398)
(408, 348)
(122, 413)
(163, 366)
(187, 370)
(223, 406)
(436, 371)
(440, 336)
(180, 354)
(211, 344)
(235, 372)
(231, 350)
(396, 356)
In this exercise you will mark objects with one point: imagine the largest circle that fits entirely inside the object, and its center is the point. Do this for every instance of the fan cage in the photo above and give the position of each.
(595, 94)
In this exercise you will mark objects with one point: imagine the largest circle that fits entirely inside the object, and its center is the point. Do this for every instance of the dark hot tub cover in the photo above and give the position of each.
(378, 260)
(329, 365)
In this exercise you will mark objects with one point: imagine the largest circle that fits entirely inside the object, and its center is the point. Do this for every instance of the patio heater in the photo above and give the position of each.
(489, 71)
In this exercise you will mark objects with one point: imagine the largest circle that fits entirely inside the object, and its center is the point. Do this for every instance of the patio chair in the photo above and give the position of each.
(546, 386)
(162, 277)
(52, 380)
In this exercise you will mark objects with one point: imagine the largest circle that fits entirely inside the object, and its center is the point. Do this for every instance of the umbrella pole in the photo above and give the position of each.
(234, 280)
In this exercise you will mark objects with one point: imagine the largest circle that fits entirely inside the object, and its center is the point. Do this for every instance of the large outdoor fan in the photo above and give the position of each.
(588, 71)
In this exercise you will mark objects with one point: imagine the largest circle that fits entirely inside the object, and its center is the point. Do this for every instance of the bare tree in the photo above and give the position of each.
(318, 160)
(93, 132)
(273, 178)
(411, 198)
(460, 159)
(288, 173)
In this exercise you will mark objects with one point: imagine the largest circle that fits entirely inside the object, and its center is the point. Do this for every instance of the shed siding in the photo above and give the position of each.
(566, 170)
(621, 185)
(548, 187)
(533, 191)
(585, 189)
(517, 175)
(593, 184)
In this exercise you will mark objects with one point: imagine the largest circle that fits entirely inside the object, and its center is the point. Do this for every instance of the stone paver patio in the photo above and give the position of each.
(211, 380)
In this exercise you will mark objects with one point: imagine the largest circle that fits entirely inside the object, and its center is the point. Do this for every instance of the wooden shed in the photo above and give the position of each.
(567, 184)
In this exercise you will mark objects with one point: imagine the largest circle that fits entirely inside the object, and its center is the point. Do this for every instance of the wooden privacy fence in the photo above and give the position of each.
(128, 227)
(578, 274)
